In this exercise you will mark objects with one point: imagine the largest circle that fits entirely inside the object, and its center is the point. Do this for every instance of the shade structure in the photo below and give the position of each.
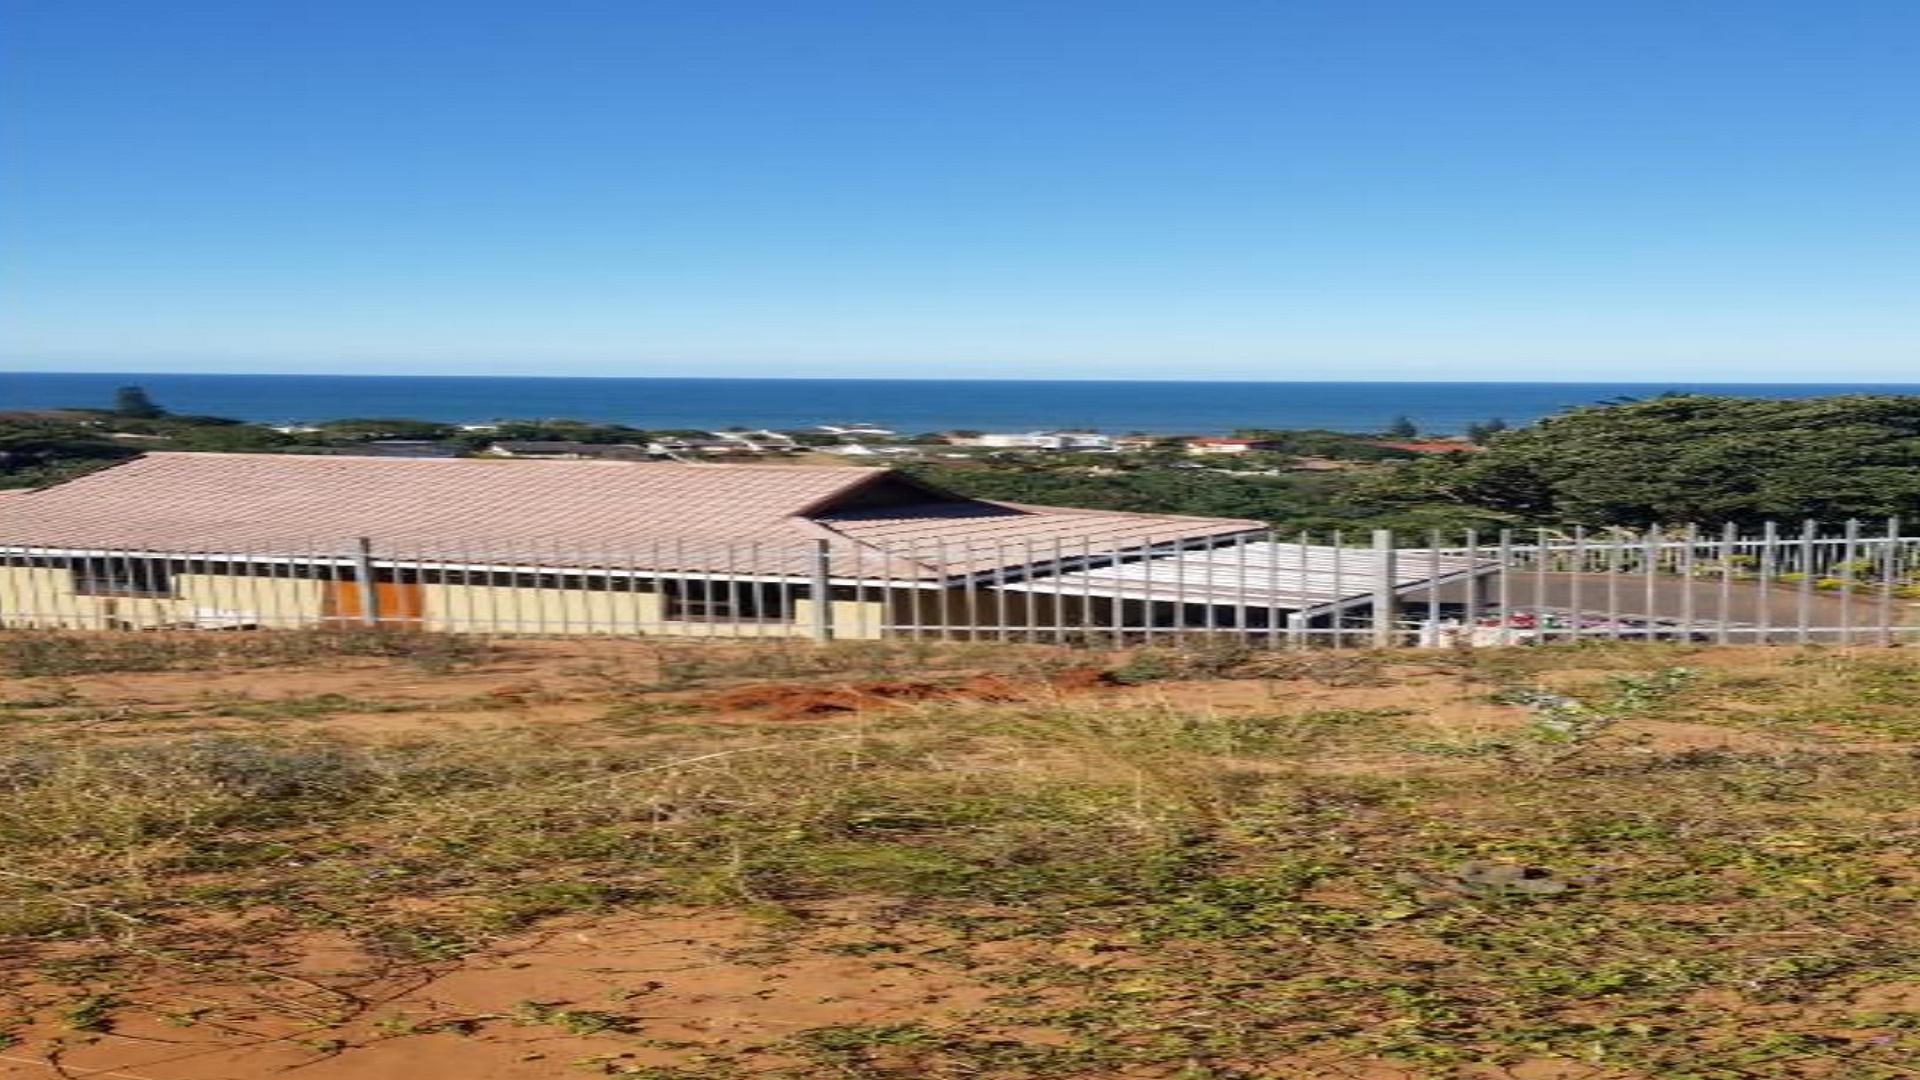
(1307, 578)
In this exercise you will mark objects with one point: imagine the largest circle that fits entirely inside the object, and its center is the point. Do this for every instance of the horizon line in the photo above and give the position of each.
(949, 379)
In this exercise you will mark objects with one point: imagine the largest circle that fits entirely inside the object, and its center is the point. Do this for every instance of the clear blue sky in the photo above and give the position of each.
(1186, 189)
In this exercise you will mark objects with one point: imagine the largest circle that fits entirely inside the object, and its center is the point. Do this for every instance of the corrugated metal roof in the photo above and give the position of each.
(737, 518)
(1290, 577)
(977, 535)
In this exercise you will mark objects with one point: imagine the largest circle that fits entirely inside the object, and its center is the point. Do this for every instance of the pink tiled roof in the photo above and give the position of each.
(740, 518)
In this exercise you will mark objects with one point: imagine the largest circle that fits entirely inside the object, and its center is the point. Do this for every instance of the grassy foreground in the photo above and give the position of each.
(1609, 862)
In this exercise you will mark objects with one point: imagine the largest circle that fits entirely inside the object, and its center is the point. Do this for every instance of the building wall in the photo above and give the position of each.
(986, 613)
(41, 596)
(507, 609)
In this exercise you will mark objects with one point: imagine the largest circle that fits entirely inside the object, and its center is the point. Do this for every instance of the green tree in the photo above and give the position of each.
(134, 403)
(35, 452)
(1403, 427)
(228, 438)
(1479, 432)
(1318, 442)
(361, 428)
(1689, 458)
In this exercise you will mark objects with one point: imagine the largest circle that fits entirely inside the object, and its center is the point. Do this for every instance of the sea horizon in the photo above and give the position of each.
(1190, 406)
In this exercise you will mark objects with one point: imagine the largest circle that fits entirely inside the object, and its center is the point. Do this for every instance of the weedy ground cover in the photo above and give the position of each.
(1520, 863)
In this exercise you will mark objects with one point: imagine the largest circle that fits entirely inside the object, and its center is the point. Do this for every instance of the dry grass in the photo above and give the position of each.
(1178, 880)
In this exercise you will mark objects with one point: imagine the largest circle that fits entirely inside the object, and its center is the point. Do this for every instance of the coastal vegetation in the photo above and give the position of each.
(1684, 458)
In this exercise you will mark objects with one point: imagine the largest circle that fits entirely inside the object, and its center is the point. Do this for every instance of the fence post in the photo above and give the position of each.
(364, 581)
(1889, 576)
(822, 628)
(1386, 632)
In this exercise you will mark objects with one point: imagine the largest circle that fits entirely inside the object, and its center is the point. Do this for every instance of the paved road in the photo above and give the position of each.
(1738, 604)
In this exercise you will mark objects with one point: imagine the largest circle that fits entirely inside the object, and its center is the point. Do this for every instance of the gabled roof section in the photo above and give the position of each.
(280, 502)
(762, 519)
(971, 535)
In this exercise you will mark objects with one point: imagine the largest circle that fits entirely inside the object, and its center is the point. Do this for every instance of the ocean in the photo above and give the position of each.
(905, 405)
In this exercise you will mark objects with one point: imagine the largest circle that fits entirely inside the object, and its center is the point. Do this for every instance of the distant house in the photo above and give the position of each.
(894, 450)
(856, 431)
(704, 447)
(757, 441)
(1041, 440)
(1207, 444)
(402, 448)
(567, 451)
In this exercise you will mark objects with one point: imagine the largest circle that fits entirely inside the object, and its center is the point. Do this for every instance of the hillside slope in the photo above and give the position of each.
(389, 855)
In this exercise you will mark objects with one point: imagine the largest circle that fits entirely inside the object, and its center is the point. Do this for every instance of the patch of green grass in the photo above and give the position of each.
(93, 1012)
(573, 1021)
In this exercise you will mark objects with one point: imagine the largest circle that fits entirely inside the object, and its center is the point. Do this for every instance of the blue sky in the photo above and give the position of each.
(1346, 189)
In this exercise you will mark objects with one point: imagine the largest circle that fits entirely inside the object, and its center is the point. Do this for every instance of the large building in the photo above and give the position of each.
(241, 540)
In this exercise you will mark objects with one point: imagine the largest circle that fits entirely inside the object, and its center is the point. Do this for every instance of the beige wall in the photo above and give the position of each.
(503, 609)
(44, 597)
(34, 596)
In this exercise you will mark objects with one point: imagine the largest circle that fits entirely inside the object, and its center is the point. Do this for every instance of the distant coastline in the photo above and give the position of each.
(1116, 406)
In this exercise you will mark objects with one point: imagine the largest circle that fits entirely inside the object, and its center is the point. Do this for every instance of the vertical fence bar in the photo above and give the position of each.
(1031, 599)
(971, 605)
(557, 616)
(903, 609)
(822, 627)
(1209, 618)
(1650, 582)
(1684, 567)
(1471, 615)
(1432, 635)
(1575, 598)
(1179, 563)
(1803, 607)
(1147, 590)
(1505, 587)
(1889, 576)
(364, 581)
(1271, 549)
(1339, 589)
(1060, 594)
(1086, 590)
(1847, 568)
(1764, 578)
(1541, 547)
(1297, 621)
(943, 599)
(1723, 614)
(1242, 595)
(1616, 573)
(1386, 580)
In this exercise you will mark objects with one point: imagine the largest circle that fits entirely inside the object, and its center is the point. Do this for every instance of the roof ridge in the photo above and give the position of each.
(799, 470)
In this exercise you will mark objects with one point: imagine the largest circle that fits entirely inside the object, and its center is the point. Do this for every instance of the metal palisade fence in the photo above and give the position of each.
(1849, 584)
